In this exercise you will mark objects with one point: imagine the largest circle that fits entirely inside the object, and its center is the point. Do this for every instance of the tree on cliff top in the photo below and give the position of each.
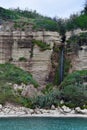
(85, 7)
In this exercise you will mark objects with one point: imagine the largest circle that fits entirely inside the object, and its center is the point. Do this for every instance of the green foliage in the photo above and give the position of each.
(7, 14)
(7, 94)
(26, 13)
(39, 21)
(22, 24)
(77, 21)
(46, 101)
(85, 8)
(67, 65)
(22, 59)
(74, 22)
(11, 73)
(56, 49)
(73, 91)
(48, 88)
(75, 42)
(57, 78)
(75, 94)
(77, 39)
(74, 78)
(13, 14)
(26, 102)
(43, 46)
(46, 23)
(62, 27)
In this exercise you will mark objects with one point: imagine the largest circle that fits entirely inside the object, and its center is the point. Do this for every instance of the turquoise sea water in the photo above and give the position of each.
(43, 123)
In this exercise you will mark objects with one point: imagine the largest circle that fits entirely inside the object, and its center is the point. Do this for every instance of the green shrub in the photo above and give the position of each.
(6, 93)
(74, 95)
(22, 59)
(43, 46)
(47, 100)
(73, 91)
(48, 88)
(76, 77)
(67, 66)
(11, 73)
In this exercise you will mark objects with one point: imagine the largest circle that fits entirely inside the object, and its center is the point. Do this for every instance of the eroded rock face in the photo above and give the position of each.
(79, 55)
(75, 32)
(15, 45)
(20, 46)
(41, 64)
(80, 61)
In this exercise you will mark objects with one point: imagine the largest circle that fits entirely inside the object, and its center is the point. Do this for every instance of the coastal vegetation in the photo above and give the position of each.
(79, 39)
(42, 45)
(11, 73)
(41, 22)
(67, 66)
(73, 90)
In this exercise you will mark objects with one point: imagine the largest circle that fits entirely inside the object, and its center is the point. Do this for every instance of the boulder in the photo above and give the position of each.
(1, 106)
(61, 102)
(37, 111)
(31, 111)
(66, 109)
(20, 113)
(12, 112)
(80, 111)
(84, 111)
(6, 110)
(53, 107)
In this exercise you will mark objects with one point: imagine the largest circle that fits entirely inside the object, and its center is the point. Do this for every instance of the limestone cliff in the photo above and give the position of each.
(17, 45)
(78, 55)
(79, 61)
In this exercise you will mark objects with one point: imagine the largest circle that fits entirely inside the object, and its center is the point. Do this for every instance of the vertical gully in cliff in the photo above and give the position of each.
(61, 70)
(61, 64)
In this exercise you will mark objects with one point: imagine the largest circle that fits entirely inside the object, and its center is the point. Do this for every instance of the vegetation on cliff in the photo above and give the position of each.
(79, 39)
(72, 91)
(75, 43)
(40, 22)
(26, 17)
(67, 65)
(42, 45)
(10, 73)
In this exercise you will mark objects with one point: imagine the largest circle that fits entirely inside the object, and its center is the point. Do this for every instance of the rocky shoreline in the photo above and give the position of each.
(10, 110)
